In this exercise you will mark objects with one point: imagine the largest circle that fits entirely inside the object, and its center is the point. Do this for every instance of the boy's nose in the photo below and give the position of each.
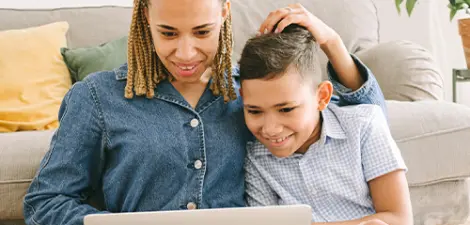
(272, 129)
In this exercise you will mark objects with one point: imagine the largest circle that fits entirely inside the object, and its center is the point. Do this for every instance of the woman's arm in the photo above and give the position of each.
(71, 169)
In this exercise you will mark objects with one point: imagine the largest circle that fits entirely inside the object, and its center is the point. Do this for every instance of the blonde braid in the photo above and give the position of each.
(143, 72)
(228, 59)
(222, 66)
(141, 61)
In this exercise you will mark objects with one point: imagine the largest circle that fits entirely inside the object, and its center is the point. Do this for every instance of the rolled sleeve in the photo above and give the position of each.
(380, 154)
(368, 93)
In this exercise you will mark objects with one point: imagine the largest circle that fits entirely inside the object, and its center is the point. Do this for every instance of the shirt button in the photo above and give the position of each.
(191, 205)
(313, 191)
(198, 164)
(194, 123)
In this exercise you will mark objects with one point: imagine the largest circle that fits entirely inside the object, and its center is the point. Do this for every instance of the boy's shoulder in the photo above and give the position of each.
(357, 114)
(256, 149)
(354, 120)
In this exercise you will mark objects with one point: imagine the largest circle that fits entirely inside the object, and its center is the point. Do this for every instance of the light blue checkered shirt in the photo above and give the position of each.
(355, 147)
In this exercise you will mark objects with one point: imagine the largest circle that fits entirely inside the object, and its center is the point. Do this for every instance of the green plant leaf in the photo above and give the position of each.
(410, 4)
(450, 6)
(398, 5)
(453, 11)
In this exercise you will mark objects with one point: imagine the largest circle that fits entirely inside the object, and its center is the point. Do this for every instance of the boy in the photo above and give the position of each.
(342, 161)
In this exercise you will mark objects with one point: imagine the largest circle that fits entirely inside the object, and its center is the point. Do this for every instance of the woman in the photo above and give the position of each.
(166, 130)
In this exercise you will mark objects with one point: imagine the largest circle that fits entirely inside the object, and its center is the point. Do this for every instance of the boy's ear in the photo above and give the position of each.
(324, 93)
(241, 92)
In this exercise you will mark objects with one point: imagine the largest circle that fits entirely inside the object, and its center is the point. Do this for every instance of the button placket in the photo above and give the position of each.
(308, 182)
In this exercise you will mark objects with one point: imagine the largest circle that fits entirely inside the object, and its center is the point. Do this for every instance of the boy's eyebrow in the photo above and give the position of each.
(195, 28)
(251, 106)
(283, 104)
(277, 105)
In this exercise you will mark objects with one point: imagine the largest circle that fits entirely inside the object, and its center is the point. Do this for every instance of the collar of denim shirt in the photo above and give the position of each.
(166, 90)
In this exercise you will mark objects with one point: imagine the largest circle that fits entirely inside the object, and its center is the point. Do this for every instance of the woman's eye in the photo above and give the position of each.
(254, 112)
(202, 32)
(169, 34)
(286, 110)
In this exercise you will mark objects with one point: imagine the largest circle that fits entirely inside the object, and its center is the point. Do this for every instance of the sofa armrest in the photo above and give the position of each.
(434, 139)
(20, 156)
(404, 70)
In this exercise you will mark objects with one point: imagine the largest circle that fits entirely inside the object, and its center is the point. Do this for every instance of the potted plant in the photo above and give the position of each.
(454, 6)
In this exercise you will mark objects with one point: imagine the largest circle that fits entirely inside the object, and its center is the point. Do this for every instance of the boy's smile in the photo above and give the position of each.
(283, 112)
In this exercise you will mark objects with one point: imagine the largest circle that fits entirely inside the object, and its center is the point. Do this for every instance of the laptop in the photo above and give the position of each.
(269, 215)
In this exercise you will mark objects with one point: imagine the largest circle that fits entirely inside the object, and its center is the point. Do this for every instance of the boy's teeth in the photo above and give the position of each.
(278, 140)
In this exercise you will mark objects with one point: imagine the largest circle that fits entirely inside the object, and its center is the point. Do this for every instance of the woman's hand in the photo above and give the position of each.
(297, 14)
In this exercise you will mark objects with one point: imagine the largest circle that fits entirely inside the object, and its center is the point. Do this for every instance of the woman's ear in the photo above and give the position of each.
(226, 10)
(146, 13)
(324, 93)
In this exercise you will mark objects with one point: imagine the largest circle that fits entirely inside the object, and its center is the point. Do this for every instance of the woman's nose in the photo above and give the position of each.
(185, 51)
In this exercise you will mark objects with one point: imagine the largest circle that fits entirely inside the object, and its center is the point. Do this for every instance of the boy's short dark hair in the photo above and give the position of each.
(270, 55)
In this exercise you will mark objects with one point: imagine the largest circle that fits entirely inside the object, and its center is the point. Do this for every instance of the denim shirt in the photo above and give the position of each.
(148, 154)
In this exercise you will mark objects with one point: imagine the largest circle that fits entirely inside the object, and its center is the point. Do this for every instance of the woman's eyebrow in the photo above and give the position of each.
(195, 28)
(166, 27)
(203, 26)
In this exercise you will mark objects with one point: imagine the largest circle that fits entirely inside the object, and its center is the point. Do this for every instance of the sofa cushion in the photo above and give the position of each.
(20, 156)
(433, 137)
(34, 77)
(89, 26)
(84, 61)
(442, 203)
(405, 71)
(355, 21)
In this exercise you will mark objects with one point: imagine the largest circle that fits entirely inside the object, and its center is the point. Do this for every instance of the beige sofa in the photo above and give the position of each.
(433, 135)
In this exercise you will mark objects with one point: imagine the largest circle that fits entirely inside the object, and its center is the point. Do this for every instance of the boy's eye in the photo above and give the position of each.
(168, 34)
(286, 110)
(254, 112)
(202, 32)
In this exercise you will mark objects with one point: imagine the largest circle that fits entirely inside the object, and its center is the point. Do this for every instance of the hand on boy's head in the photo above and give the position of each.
(297, 14)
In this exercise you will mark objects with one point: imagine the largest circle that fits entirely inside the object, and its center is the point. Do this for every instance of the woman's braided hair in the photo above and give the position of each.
(145, 70)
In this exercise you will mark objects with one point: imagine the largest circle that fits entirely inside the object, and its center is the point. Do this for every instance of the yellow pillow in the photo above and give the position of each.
(33, 77)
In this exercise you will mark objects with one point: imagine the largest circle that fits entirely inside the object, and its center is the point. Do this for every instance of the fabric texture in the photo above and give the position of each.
(83, 61)
(405, 71)
(34, 77)
(354, 148)
(439, 131)
(89, 26)
(442, 203)
(20, 155)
